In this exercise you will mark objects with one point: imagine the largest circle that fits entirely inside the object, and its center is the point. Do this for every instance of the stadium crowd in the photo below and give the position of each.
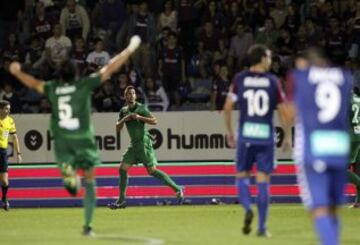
(190, 48)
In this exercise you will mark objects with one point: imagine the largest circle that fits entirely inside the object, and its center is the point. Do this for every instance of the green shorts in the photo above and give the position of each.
(140, 153)
(355, 152)
(79, 153)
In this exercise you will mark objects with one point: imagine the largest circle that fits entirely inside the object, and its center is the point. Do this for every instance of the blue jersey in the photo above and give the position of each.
(257, 95)
(322, 98)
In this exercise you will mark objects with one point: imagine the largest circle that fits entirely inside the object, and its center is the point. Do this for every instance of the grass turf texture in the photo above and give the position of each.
(219, 224)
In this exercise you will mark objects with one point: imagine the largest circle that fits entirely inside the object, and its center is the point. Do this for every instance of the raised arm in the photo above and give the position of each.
(116, 62)
(25, 78)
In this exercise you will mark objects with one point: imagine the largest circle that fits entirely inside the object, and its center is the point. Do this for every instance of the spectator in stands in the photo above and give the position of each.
(336, 42)
(105, 99)
(268, 34)
(41, 23)
(79, 54)
(35, 57)
(301, 41)
(7, 93)
(168, 17)
(10, 14)
(186, 20)
(112, 14)
(44, 106)
(220, 89)
(239, 45)
(13, 50)
(57, 49)
(171, 68)
(121, 83)
(97, 58)
(292, 20)
(143, 24)
(210, 40)
(155, 96)
(75, 20)
(279, 13)
(214, 15)
(285, 44)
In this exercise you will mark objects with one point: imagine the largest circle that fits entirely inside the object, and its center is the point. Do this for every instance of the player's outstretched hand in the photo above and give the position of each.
(134, 43)
(231, 140)
(14, 67)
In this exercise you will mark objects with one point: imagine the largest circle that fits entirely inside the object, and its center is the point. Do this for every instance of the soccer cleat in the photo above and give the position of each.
(355, 205)
(117, 205)
(87, 231)
(71, 180)
(264, 234)
(6, 205)
(247, 222)
(180, 196)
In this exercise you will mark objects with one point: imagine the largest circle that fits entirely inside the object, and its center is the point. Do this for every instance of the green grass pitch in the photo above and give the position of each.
(220, 224)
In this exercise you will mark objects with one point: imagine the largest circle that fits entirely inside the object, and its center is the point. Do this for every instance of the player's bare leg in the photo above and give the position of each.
(123, 183)
(243, 187)
(4, 188)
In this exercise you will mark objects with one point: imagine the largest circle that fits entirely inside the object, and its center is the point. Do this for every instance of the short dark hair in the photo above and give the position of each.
(4, 103)
(256, 53)
(128, 88)
(67, 71)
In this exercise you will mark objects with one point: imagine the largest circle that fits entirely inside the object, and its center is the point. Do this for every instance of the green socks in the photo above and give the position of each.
(355, 179)
(89, 201)
(123, 182)
(166, 179)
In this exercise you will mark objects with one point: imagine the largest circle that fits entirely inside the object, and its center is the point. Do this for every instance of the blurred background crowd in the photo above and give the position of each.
(190, 48)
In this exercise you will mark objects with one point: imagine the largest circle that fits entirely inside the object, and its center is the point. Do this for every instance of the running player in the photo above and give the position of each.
(7, 127)
(321, 95)
(258, 94)
(135, 115)
(70, 123)
(354, 167)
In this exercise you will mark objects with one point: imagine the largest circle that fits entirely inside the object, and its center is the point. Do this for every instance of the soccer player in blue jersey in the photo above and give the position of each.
(258, 94)
(321, 95)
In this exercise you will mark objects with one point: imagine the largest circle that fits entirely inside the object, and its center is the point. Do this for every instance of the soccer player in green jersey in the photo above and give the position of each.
(135, 115)
(70, 123)
(354, 170)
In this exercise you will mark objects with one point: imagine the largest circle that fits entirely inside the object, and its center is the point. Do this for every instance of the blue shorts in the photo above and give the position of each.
(3, 161)
(322, 188)
(247, 154)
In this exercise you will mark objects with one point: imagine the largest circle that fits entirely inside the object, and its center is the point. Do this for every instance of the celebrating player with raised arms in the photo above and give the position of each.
(321, 95)
(258, 95)
(70, 123)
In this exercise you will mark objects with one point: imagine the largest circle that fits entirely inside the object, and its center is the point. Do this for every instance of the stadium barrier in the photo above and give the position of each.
(212, 182)
(179, 136)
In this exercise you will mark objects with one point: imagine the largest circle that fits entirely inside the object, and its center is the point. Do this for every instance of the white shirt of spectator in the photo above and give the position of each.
(100, 59)
(170, 21)
(59, 48)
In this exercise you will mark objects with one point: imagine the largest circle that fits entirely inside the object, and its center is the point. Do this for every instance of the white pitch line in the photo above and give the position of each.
(144, 240)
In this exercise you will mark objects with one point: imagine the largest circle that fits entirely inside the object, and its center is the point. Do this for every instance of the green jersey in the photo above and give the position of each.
(136, 128)
(355, 118)
(71, 106)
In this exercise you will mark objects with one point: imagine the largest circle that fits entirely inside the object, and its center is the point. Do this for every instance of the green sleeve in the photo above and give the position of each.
(93, 81)
(145, 111)
(47, 88)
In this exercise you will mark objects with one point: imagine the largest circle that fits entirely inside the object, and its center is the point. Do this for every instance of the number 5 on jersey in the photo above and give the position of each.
(66, 114)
